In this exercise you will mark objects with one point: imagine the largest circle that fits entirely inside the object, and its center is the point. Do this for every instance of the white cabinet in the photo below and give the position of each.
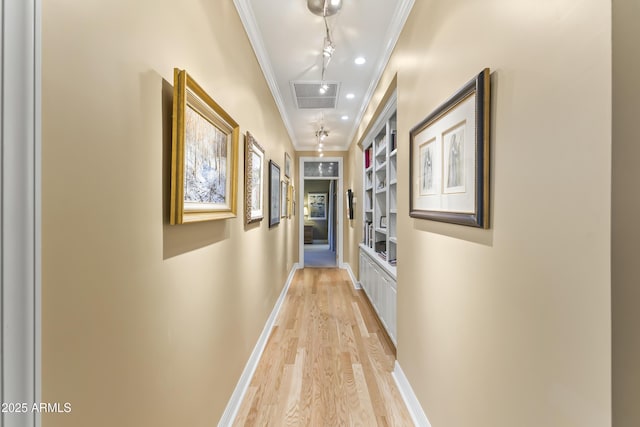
(380, 287)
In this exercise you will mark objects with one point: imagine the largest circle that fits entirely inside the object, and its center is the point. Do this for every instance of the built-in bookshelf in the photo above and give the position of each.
(379, 248)
(380, 214)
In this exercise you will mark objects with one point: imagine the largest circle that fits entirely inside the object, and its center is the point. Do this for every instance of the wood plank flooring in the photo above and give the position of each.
(328, 361)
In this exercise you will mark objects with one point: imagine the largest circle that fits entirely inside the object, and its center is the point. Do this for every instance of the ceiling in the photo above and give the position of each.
(288, 41)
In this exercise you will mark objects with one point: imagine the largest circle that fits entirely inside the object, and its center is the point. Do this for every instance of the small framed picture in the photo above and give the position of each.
(283, 199)
(287, 165)
(254, 180)
(274, 194)
(383, 222)
(317, 206)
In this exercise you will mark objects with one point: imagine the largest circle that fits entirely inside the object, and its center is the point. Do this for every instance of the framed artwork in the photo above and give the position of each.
(449, 158)
(274, 194)
(317, 205)
(349, 196)
(383, 222)
(289, 200)
(283, 199)
(293, 200)
(253, 180)
(204, 152)
(287, 165)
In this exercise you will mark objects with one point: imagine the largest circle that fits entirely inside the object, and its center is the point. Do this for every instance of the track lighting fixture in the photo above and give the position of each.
(324, 7)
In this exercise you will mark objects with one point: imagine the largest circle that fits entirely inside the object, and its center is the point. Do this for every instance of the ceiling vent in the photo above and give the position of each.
(309, 96)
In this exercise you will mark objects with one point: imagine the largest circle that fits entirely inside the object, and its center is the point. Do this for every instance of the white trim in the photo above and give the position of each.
(339, 215)
(231, 411)
(356, 284)
(393, 34)
(255, 37)
(410, 399)
(20, 268)
(248, 19)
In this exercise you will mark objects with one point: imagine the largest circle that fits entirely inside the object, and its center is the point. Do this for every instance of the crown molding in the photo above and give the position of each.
(245, 11)
(393, 34)
(247, 16)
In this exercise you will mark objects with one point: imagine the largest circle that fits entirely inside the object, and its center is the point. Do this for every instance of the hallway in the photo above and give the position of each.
(327, 363)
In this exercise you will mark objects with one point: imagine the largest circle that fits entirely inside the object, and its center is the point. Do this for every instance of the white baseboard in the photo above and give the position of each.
(413, 405)
(233, 406)
(356, 284)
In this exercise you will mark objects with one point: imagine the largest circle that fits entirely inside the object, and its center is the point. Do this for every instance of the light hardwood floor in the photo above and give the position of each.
(327, 362)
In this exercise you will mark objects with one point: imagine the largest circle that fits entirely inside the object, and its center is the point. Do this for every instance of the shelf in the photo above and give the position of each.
(381, 190)
(381, 230)
(393, 153)
(369, 187)
(381, 151)
(368, 211)
(393, 211)
(381, 166)
(369, 168)
(393, 181)
(393, 240)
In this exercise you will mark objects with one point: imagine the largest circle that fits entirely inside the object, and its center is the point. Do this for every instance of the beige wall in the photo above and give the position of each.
(625, 211)
(146, 324)
(511, 326)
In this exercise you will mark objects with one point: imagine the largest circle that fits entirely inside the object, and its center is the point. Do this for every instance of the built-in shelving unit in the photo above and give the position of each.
(378, 251)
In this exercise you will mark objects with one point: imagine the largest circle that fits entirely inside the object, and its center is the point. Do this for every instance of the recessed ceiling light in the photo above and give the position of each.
(345, 117)
(350, 96)
(360, 60)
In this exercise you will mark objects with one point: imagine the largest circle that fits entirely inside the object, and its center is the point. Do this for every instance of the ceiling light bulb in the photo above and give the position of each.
(328, 50)
(360, 60)
(319, 150)
(336, 2)
(345, 117)
(322, 90)
(350, 96)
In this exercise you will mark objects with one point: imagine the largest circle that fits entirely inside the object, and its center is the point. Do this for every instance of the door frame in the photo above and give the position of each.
(339, 218)
(20, 214)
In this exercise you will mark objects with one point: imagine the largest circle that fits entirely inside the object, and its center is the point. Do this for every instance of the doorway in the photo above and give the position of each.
(320, 204)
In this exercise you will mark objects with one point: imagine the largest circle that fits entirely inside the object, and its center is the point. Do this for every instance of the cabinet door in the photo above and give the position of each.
(392, 323)
(385, 286)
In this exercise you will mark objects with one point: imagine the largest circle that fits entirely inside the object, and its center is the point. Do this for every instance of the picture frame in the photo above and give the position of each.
(283, 199)
(349, 204)
(289, 200)
(204, 153)
(287, 165)
(383, 222)
(253, 180)
(449, 158)
(274, 194)
(317, 206)
(293, 200)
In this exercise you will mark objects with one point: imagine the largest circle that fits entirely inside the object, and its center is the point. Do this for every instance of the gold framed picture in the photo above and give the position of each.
(204, 153)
